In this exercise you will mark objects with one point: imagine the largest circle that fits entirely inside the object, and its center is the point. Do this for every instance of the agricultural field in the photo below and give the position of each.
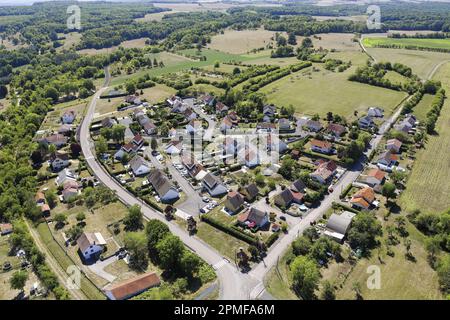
(428, 186)
(234, 41)
(337, 41)
(322, 91)
(135, 43)
(421, 43)
(358, 18)
(421, 62)
(421, 109)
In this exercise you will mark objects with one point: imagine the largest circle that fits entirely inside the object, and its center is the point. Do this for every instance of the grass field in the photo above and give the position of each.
(319, 92)
(422, 43)
(395, 77)
(71, 39)
(233, 41)
(338, 41)
(136, 43)
(421, 109)
(428, 187)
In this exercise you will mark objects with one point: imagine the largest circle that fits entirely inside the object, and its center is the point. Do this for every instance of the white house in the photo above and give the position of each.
(324, 172)
(194, 126)
(321, 146)
(91, 244)
(249, 157)
(59, 161)
(68, 117)
(64, 176)
(174, 147)
(139, 166)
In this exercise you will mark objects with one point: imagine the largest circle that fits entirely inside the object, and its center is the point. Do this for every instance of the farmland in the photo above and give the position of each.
(402, 43)
(342, 96)
(429, 184)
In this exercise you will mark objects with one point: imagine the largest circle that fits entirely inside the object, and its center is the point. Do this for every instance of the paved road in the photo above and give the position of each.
(99, 268)
(209, 132)
(233, 284)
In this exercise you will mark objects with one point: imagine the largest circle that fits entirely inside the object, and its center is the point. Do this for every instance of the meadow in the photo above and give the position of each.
(421, 109)
(428, 186)
(404, 42)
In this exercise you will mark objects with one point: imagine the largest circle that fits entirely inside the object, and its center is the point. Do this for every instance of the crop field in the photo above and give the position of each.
(312, 92)
(421, 109)
(338, 41)
(422, 43)
(428, 186)
(233, 41)
(421, 62)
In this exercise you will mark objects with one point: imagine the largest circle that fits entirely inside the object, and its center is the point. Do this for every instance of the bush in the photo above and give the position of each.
(233, 231)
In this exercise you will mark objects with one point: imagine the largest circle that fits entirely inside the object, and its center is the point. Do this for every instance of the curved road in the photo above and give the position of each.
(233, 284)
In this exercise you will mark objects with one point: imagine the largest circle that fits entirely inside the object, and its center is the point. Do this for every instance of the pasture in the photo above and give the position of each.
(404, 42)
(338, 41)
(421, 109)
(234, 41)
(428, 186)
(135, 43)
(320, 91)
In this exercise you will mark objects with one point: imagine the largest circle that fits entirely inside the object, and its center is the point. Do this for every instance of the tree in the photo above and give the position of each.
(432, 245)
(328, 291)
(306, 43)
(80, 217)
(52, 93)
(388, 190)
(50, 197)
(101, 145)
(216, 64)
(305, 276)
(301, 246)
(75, 149)
(60, 220)
(260, 180)
(118, 132)
(154, 144)
(155, 231)
(130, 87)
(18, 280)
(170, 252)
(254, 253)
(136, 245)
(292, 40)
(134, 220)
(443, 271)
(236, 71)
(363, 232)
(3, 91)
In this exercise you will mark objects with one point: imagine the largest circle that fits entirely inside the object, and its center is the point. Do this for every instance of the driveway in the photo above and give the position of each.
(99, 266)
(209, 133)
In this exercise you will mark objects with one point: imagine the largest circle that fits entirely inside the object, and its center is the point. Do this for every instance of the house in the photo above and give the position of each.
(234, 118)
(5, 228)
(403, 126)
(221, 108)
(374, 177)
(65, 129)
(179, 106)
(174, 147)
(324, 172)
(226, 124)
(58, 140)
(250, 192)
(375, 112)
(284, 124)
(274, 143)
(393, 145)
(108, 122)
(64, 176)
(69, 193)
(39, 198)
(298, 186)
(194, 126)
(336, 129)
(253, 218)
(189, 114)
(387, 159)
(172, 133)
(91, 244)
(286, 197)
(363, 198)
(138, 113)
(313, 125)
(366, 122)
(213, 185)
(45, 210)
(208, 100)
(338, 225)
(234, 202)
(269, 112)
(173, 100)
(133, 146)
(132, 287)
(163, 186)
(266, 127)
(411, 119)
(321, 146)
(68, 117)
(132, 99)
(250, 157)
(195, 169)
(149, 127)
(139, 165)
(59, 161)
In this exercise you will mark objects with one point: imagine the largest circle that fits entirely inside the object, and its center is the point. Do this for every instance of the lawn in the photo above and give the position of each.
(428, 187)
(323, 91)
(421, 62)
(395, 77)
(53, 119)
(421, 109)
(404, 42)
(70, 40)
(278, 281)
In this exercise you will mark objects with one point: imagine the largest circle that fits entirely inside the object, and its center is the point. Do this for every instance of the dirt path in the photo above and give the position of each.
(54, 265)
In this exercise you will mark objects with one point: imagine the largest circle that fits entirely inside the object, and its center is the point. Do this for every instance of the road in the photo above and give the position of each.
(233, 284)
(209, 132)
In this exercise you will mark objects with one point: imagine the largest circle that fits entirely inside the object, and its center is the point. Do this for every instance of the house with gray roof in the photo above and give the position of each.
(139, 165)
(213, 185)
(163, 186)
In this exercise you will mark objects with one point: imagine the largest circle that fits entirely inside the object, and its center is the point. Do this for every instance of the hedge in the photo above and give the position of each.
(272, 238)
(344, 207)
(233, 231)
(345, 191)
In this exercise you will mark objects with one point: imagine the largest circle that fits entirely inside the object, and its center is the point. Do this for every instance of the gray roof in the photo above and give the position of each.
(136, 162)
(160, 182)
(298, 186)
(256, 215)
(285, 195)
(252, 190)
(211, 180)
(340, 223)
(234, 200)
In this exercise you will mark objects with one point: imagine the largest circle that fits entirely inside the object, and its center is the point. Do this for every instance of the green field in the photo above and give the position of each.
(319, 92)
(402, 43)
(421, 109)
(428, 187)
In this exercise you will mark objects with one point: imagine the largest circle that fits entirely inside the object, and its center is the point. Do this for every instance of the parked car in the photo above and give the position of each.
(7, 266)
(122, 254)
(205, 199)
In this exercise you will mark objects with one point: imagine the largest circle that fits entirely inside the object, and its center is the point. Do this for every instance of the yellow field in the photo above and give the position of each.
(428, 187)
(233, 41)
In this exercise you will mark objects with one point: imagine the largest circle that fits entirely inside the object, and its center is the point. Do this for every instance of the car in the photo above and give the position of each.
(7, 266)
(205, 199)
(122, 254)
(283, 218)
(303, 207)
